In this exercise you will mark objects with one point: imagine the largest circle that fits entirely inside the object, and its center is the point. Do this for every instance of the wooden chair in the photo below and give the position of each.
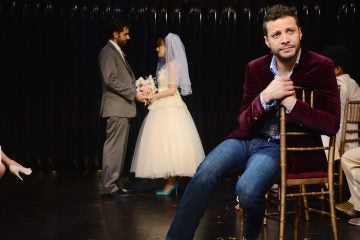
(349, 137)
(301, 180)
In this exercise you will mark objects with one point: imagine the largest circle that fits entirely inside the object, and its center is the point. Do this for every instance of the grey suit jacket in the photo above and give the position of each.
(118, 84)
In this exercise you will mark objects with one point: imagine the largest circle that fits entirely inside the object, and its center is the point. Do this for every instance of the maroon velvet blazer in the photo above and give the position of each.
(314, 72)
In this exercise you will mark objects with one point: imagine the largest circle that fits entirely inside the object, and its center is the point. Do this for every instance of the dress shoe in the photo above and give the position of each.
(347, 208)
(120, 194)
(354, 221)
(117, 194)
(127, 190)
(122, 181)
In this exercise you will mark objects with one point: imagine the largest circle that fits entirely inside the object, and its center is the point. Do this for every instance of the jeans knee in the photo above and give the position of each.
(248, 198)
(206, 176)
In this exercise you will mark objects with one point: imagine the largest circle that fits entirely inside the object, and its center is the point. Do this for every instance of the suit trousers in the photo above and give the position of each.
(350, 162)
(114, 151)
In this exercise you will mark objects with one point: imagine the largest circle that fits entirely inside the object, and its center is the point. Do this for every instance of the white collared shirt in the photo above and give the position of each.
(117, 48)
(275, 71)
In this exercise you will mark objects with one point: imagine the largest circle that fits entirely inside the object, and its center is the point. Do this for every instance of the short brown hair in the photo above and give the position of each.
(279, 11)
(160, 41)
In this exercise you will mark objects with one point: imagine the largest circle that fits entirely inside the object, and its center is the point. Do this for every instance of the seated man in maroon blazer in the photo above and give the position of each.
(254, 146)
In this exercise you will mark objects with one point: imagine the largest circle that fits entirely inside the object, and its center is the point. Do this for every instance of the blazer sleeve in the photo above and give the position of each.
(324, 118)
(251, 113)
(116, 80)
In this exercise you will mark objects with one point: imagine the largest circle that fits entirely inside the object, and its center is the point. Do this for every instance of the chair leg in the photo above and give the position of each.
(297, 218)
(305, 202)
(266, 208)
(241, 222)
(264, 237)
(341, 178)
(282, 211)
(332, 213)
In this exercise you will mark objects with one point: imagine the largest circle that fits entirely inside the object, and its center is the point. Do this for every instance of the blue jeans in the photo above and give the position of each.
(259, 158)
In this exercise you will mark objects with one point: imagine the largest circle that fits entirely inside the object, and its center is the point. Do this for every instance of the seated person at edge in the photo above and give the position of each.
(14, 167)
(254, 146)
(350, 161)
(349, 90)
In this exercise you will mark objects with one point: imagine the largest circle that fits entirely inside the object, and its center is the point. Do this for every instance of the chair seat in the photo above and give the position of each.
(306, 175)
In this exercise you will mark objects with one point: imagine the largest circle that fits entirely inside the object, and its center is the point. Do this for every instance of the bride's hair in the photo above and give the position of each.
(160, 42)
(161, 61)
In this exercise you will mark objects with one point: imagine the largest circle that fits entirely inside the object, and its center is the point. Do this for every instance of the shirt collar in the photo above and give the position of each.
(274, 69)
(116, 46)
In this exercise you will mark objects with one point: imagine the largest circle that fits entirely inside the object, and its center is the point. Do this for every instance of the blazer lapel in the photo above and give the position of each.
(127, 66)
(123, 59)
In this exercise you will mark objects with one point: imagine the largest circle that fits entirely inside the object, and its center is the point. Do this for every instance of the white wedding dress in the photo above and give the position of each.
(168, 143)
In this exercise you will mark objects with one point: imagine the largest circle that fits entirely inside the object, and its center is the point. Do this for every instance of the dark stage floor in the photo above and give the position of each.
(54, 205)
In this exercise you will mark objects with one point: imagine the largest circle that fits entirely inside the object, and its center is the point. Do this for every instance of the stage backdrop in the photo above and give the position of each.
(50, 84)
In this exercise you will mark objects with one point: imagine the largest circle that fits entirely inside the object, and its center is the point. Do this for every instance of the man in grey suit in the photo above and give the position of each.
(117, 106)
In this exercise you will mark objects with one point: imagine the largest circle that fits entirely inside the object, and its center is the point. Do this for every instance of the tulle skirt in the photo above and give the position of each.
(168, 143)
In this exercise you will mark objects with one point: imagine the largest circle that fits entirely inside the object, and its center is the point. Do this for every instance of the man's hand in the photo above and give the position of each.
(289, 102)
(140, 96)
(149, 99)
(279, 88)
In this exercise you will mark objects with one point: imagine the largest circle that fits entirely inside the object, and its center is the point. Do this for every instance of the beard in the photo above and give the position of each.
(121, 43)
(288, 57)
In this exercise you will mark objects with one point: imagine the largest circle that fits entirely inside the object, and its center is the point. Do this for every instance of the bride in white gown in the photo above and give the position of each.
(168, 144)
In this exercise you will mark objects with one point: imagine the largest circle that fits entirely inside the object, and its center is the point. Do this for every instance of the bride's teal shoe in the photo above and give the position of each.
(169, 191)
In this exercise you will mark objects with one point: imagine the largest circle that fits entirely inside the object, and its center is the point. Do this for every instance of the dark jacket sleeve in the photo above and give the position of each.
(252, 115)
(324, 117)
(251, 112)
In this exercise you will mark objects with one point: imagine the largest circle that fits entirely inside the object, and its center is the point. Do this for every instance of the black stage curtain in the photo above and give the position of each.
(50, 84)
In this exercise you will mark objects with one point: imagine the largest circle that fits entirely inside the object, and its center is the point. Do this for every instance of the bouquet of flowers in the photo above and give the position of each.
(146, 85)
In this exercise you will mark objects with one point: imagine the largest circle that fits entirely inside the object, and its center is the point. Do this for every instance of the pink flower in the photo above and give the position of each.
(146, 85)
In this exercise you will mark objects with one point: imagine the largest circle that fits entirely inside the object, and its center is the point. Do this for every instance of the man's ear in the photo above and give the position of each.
(115, 35)
(266, 41)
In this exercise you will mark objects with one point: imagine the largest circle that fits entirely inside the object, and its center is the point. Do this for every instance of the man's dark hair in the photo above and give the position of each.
(116, 25)
(279, 11)
(340, 55)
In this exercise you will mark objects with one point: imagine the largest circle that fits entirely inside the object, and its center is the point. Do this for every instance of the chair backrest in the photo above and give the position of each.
(315, 147)
(314, 150)
(350, 126)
